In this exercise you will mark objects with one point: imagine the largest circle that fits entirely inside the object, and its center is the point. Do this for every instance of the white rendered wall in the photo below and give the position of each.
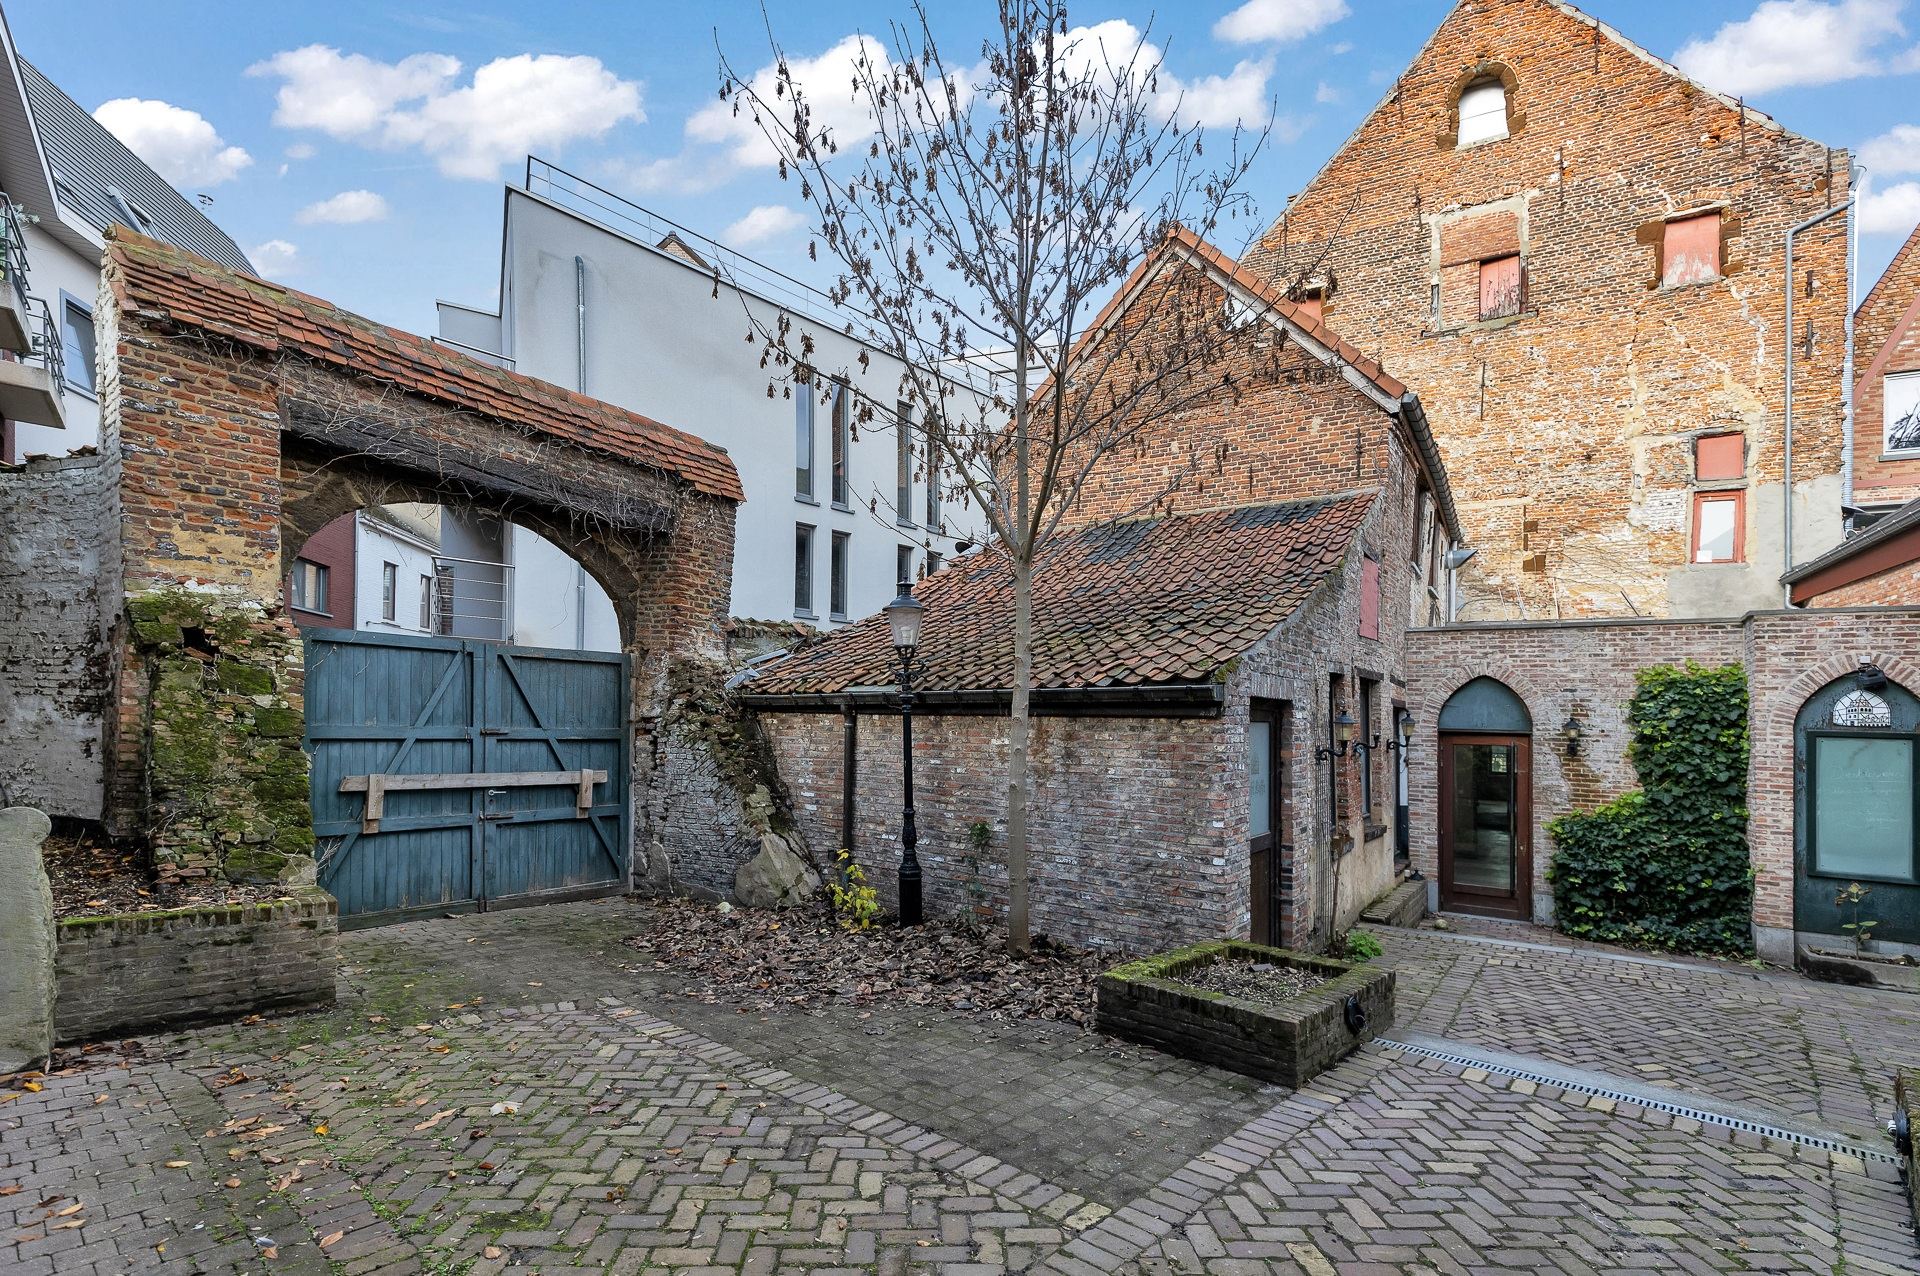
(53, 268)
(555, 602)
(375, 545)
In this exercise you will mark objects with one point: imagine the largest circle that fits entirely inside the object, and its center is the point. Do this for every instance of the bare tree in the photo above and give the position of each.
(976, 227)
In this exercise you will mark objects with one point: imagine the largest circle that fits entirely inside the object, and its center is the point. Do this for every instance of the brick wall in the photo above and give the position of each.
(1567, 429)
(1886, 343)
(136, 973)
(59, 563)
(332, 547)
(1895, 587)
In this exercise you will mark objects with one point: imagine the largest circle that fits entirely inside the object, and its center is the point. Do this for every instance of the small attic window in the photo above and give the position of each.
(137, 217)
(1483, 112)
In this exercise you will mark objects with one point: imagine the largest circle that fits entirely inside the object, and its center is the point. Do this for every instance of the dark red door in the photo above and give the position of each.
(1486, 822)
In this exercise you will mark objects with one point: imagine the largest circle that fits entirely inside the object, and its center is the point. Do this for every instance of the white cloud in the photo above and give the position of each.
(301, 151)
(1794, 42)
(765, 222)
(345, 209)
(1278, 20)
(511, 106)
(1895, 151)
(827, 82)
(1116, 46)
(1325, 94)
(179, 144)
(1893, 211)
(275, 258)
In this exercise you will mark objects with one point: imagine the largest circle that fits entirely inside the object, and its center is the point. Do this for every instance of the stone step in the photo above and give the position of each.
(1404, 905)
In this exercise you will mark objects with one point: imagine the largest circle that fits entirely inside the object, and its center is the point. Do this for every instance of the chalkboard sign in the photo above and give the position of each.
(1863, 807)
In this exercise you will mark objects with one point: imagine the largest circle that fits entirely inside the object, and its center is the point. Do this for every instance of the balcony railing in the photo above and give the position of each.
(13, 248)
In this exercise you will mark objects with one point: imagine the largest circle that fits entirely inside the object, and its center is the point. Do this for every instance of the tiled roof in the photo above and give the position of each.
(1155, 601)
(197, 293)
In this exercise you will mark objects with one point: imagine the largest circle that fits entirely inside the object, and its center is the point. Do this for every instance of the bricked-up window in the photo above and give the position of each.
(389, 590)
(1902, 395)
(1370, 598)
(307, 589)
(1312, 304)
(1501, 290)
(841, 405)
(803, 435)
(1690, 250)
(1719, 527)
(803, 569)
(837, 578)
(1719, 458)
(1483, 112)
(903, 464)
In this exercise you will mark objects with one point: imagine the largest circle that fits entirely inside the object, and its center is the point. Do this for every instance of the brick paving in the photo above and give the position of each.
(505, 1093)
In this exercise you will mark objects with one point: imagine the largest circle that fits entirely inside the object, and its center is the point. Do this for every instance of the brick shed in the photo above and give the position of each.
(241, 417)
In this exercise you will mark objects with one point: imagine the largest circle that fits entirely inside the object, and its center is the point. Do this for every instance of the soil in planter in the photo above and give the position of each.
(1267, 983)
(92, 877)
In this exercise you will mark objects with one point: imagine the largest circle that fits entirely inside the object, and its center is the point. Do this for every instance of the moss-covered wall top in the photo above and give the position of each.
(226, 779)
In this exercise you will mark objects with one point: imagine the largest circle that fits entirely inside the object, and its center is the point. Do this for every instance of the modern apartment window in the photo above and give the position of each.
(1902, 395)
(802, 569)
(903, 464)
(1719, 534)
(1502, 287)
(803, 436)
(935, 562)
(76, 344)
(837, 578)
(903, 564)
(1719, 458)
(389, 590)
(426, 603)
(933, 479)
(1483, 112)
(307, 590)
(1690, 250)
(841, 406)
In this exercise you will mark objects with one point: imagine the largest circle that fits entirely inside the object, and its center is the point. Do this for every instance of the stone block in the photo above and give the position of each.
(26, 941)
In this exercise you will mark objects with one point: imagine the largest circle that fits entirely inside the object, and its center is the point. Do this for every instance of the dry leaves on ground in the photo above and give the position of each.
(802, 958)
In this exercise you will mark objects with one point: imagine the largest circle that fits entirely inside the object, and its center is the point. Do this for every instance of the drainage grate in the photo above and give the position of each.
(1640, 1100)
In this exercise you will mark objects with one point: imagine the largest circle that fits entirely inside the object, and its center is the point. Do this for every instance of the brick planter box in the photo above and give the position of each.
(1906, 1098)
(1145, 1001)
(130, 973)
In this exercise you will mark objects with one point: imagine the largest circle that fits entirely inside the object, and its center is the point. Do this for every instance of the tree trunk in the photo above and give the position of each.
(1019, 739)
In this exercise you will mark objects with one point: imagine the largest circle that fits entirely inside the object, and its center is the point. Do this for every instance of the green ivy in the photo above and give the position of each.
(1667, 866)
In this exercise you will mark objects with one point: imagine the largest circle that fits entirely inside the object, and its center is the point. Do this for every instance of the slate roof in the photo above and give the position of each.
(1902, 520)
(1163, 601)
(190, 291)
(87, 159)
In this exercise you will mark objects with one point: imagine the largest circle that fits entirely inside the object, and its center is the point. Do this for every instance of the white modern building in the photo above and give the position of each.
(63, 180)
(605, 297)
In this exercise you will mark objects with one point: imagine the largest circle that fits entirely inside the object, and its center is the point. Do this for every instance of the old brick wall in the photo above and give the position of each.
(1578, 669)
(59, 601)
(145, 972)
(1567, 429)
(1886, 336)
(1895, 587)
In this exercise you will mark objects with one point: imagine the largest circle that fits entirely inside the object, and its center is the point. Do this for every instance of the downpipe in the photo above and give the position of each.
(1786, 464)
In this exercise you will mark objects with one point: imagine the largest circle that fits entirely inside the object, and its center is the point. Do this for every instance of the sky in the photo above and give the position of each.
(358, 150)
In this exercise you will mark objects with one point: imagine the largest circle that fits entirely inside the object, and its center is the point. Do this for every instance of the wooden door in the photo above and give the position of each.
(1268, 852)
(1486, 824)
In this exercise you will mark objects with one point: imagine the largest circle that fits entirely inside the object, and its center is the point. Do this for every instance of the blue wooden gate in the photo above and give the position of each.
(428, 720)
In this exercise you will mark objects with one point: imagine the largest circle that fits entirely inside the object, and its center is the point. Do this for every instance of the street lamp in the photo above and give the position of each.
(1343, 735)
(903, 617)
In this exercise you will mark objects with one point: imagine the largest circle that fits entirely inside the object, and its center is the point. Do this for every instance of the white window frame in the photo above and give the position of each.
(1474, 129)
(1907, 410)
(390, 592)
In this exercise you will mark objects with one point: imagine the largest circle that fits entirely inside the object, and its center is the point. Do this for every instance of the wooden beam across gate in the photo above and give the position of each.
(376, 787)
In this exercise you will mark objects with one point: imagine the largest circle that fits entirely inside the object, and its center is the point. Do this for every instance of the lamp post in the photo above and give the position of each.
(903, 617)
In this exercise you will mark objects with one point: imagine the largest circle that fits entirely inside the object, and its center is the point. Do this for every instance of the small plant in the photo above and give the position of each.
(979, 842)
(1360, 945)
(856, 903)
(1854, 896)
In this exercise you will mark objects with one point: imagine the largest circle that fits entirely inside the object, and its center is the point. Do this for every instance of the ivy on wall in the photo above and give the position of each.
(1667, 865)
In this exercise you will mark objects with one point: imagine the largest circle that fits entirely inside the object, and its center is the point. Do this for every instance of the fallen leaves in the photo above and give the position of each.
(434, 1120)
(332, 1238)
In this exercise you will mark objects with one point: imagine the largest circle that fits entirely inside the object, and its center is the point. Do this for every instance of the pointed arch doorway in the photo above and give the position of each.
(1486, 801)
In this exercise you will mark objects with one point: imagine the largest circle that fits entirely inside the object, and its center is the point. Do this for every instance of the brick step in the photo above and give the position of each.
(1404, 905)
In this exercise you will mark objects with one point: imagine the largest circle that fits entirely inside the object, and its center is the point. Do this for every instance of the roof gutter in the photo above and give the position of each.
(1417, 424)
(1174, 700)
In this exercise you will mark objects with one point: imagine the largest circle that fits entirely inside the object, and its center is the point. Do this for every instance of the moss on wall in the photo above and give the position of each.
(707, 716)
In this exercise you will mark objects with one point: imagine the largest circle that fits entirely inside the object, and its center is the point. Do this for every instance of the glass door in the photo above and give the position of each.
(1485, 823)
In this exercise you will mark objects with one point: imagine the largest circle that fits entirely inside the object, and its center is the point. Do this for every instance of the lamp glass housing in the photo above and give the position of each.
(1343, 728)
(903, 617)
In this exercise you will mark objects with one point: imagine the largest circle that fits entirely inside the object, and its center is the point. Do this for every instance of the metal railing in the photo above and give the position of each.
(44, 331)
(471, 598)
(485, 356)
(13, 248)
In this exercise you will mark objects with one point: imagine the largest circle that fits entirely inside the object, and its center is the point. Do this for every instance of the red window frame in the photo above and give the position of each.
(1738, 498)
(1502, 287)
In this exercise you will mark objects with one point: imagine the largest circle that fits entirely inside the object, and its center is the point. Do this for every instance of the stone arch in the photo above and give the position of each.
(1505, 672)
(1783, 710)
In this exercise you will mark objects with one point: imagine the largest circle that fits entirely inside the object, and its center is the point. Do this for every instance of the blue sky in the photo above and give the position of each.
(359, 149)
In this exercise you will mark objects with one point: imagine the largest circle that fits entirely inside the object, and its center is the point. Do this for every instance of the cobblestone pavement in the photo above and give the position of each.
(504, 1093)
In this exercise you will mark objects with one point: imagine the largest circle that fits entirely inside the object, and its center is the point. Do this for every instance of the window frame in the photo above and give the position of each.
(1738, 497)
(90, 388)
(837, 554)
(1887, 450)
(842, 448)
(804, 446)
(321, 572)
(1482, 84)
(1718, 216)
(426, 603)
(903, 464)
(1813, 738)
(903, 564)
(803, 534)
(390, 591)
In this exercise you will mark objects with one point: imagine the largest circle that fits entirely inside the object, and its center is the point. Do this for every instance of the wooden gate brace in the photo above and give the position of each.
(376, 787)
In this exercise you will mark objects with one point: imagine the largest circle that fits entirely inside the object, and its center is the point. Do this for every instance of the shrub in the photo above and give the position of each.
(1360, 945)
(1667, 866)
(855, 902)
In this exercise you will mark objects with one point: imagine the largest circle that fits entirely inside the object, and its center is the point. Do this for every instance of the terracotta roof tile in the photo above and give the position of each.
(1167, 600)
(197, 293)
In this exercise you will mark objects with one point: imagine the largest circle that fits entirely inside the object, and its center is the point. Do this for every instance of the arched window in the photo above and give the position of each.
(1486, 704)
(1483, 111)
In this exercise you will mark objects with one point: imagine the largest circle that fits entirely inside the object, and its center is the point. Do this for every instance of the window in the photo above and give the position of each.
(837, 578)
(1719, 528)
(1483, 112)
(1370, 598)
(903, 464)
(1336, 702)
(1862, 791)
(802, 570)
(1364, 734)
(1719, 458)
(1501, 293)
(903, 564)
(76, 344)
(933, 483)
(389, 590)
(426, 603)
(803, 435)
(934, 562)
(308, 587)
(840, 409)
(1690, 250)
(1902, 394)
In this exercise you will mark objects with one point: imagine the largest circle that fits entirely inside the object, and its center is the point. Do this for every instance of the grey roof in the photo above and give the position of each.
(89, 163)
(1885, 529)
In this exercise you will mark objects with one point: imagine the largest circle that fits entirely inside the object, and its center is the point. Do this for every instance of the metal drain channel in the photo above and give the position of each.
(1645, 1101)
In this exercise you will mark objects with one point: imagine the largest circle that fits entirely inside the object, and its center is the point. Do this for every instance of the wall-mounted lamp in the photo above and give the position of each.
(1342, 737)
(1570, 731)
(1870, 677)
(1404, 736)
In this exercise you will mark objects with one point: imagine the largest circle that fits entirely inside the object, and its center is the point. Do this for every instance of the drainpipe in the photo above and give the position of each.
(1846, 384)
(580, 319)
(1786, 466)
